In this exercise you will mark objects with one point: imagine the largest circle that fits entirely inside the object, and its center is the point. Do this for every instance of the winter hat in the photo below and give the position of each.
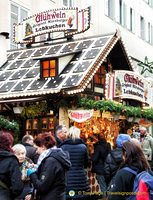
(121, 138)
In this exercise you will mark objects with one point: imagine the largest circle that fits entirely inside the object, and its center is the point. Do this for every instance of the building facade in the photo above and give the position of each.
(129, 18)
(134, 19)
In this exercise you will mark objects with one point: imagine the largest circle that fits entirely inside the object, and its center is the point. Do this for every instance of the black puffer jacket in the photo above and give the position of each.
(10, 175)
(112, 163)
(123, 183)
(76, 176)
(50, 177)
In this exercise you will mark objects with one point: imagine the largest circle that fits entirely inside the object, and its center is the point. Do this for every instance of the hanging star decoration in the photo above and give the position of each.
(146, 66)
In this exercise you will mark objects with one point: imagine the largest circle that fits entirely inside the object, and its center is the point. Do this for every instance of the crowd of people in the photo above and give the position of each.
(52, 167)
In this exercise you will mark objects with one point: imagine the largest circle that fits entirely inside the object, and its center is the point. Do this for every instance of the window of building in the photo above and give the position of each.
(142, 28)
(40, 125)
(120, 10)
(99, 77)
(90, 10)
(132, 20)
(68, 3)
(110, 8)
(150, 33)
(48, 68)
(151, 3)
(17, 15)
(122, 13)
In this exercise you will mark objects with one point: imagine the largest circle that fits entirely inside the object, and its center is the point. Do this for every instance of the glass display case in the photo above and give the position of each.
(40, 125)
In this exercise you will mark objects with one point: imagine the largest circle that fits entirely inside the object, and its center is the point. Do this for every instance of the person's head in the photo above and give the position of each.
(135, 141)
(74, 133)
(132, 152)
(20, 152)
(143, 131)
(61, 132)
(121, 138)
(6, 141)
(43, 142)
(101, 139)
(27, 139)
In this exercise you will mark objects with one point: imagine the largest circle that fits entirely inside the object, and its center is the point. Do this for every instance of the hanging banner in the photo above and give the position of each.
(71, 21)
(80, 115)
(127, 84)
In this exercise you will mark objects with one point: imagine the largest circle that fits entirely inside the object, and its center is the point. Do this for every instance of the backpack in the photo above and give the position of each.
(142, 187)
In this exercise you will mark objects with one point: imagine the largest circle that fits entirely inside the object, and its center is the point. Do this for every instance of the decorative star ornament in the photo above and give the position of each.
(146, 66)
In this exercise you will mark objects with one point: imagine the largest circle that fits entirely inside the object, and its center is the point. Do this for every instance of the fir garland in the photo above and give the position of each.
(44, 107)
(8, 125)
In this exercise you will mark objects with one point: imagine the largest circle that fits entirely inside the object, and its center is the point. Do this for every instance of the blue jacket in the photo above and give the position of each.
(76, 176)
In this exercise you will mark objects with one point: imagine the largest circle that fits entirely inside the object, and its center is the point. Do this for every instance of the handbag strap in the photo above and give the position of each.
(3, 185)
(130, 170)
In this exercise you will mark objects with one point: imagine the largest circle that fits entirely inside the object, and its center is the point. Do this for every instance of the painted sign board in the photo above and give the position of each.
(127, 84)
(80, 115)
(71, 21)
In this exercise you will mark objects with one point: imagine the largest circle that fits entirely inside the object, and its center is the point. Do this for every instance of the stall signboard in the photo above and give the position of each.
(71, 21)
(129, 85)
(80, 115)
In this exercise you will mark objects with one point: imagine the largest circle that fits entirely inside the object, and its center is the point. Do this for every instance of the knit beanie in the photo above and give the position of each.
(121, 138)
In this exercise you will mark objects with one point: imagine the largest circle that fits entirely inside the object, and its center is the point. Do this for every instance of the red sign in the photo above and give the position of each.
(80, 115)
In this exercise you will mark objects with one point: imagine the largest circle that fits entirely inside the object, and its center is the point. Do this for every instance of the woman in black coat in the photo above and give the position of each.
(11, 184)
(49, 179)
(101, 149)
(133, 158)
(76, 176)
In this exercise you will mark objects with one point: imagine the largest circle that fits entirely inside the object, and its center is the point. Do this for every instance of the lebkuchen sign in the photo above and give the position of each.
(127, 84)
(71, 21)
(80, 115)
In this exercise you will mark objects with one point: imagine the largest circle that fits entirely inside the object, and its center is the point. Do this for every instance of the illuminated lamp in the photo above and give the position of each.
(17, 110)
(51, 112)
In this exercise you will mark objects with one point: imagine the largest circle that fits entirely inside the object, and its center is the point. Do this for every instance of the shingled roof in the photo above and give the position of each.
(20, 75)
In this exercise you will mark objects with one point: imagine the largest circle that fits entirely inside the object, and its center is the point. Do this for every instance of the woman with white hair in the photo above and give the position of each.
(76, 176)
(25, 163)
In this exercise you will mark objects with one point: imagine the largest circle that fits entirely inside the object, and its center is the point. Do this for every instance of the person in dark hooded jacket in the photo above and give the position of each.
(114, 159)
(134, 158)
(101, 150)
(53, 163)
(11, 184)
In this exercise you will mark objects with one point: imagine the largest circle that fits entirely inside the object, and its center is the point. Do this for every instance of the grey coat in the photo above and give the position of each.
(146, 144)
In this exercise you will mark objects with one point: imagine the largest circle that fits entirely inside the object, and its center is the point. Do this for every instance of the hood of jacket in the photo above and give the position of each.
(73, 142)
(6, 154)
(117, 155)
(26, 144)
(62, 156)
